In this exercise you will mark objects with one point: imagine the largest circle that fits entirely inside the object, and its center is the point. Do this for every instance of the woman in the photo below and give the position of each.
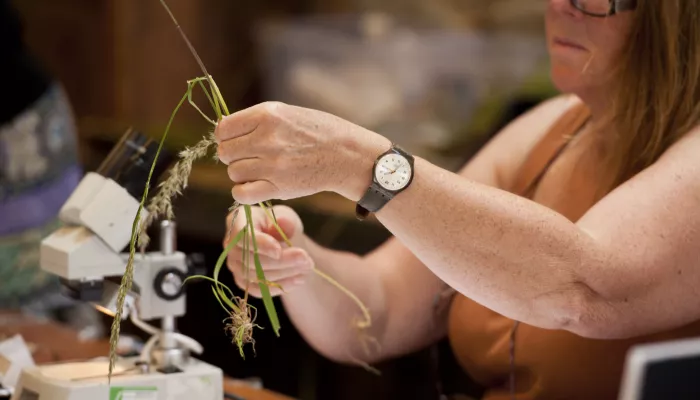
(579, 220)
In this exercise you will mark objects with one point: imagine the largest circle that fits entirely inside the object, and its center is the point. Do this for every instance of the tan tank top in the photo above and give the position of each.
(542, 364)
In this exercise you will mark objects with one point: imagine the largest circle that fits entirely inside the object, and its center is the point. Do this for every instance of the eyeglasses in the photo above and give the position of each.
(603, 8)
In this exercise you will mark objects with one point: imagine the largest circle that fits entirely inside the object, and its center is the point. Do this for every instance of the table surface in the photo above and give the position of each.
(52, 342)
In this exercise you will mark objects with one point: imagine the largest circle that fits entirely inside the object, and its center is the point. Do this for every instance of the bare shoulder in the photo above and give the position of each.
(498, 161)
(686, 148)
(647, 230)
(680, 163)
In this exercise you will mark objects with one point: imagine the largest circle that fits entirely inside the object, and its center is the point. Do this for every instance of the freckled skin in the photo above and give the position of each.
(288, 139)
(626, 268)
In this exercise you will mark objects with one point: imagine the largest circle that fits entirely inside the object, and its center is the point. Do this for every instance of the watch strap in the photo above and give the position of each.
(398, 149)
(373, 201)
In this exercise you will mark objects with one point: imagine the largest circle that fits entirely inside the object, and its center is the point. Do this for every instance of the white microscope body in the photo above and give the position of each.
(90, 254)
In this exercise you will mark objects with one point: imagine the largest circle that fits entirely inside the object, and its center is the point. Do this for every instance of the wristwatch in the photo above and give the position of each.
(392, 173)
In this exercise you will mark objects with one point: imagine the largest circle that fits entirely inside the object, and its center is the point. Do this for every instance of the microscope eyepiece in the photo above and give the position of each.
(129, 162)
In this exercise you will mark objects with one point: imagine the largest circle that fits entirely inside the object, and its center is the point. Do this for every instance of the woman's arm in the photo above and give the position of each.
(394, 285)
(628, 267)
(403, 295)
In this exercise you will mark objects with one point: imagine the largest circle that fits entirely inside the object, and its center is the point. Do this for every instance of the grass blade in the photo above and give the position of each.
(214, 105)
(208, 278)
(205, 116)
(264, 290)
(224, 254)
(219, 299)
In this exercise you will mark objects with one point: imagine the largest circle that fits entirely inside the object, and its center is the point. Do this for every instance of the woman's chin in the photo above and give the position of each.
(566, 80)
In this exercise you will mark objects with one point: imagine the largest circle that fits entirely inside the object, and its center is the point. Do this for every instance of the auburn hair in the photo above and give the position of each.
(657, 96)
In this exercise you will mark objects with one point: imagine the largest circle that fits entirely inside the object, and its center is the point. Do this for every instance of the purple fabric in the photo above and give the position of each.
(37, 207)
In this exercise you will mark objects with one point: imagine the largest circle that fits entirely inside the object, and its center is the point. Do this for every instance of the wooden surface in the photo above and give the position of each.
(247, 392)
(51, 342)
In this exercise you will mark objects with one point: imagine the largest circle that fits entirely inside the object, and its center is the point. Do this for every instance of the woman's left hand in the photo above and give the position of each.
(278, 151)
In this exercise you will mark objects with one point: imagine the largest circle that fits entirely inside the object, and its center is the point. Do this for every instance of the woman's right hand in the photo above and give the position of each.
(285, 266)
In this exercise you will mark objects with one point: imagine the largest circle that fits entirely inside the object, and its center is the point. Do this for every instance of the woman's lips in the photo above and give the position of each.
(560, 42)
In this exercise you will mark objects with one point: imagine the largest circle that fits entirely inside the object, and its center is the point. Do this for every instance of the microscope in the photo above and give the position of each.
(89, 254)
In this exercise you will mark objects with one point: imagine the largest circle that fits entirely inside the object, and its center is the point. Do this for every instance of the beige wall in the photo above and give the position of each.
(500, 14)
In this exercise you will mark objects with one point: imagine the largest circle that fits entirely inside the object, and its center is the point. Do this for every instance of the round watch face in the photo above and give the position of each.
(393, 172)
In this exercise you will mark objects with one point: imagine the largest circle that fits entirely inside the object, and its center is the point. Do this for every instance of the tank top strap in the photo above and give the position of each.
(546, 151)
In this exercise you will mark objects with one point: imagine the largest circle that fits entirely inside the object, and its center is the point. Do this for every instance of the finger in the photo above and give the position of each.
(239, 148)
(234, 261)
(292, 258)
(285, 224)
(238, 124)
(268, 246)
(287, 219)
(286, 286)
(248, 170)
(272, 275)
(283, 287)
(254, 192)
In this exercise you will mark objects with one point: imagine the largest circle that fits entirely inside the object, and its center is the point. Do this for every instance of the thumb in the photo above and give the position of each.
(287, 220)
(287, 226)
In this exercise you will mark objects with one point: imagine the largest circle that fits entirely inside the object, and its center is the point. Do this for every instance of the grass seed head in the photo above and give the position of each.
(161, 204)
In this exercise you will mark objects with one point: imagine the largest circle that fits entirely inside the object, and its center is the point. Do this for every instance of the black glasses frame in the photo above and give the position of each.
(616, 6)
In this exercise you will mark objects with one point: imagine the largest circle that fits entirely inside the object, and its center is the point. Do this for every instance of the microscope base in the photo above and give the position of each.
(87, 380)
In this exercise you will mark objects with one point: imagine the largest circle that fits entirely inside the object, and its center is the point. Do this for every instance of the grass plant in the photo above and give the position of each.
(241, 320)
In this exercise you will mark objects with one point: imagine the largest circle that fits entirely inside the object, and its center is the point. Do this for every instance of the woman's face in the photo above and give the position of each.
(583, 48)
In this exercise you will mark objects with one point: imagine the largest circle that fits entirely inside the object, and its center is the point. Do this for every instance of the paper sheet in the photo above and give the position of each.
(14, 356)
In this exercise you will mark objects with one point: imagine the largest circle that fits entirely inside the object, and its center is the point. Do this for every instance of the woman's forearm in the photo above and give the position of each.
(485, 243)
(325, 316)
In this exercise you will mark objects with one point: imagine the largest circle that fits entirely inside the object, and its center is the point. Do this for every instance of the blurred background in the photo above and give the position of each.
(438, 77)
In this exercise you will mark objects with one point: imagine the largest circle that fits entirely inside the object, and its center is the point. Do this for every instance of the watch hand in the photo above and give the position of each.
(390, 172)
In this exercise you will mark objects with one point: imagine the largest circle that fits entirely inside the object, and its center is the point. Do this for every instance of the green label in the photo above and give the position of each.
(133, 393)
